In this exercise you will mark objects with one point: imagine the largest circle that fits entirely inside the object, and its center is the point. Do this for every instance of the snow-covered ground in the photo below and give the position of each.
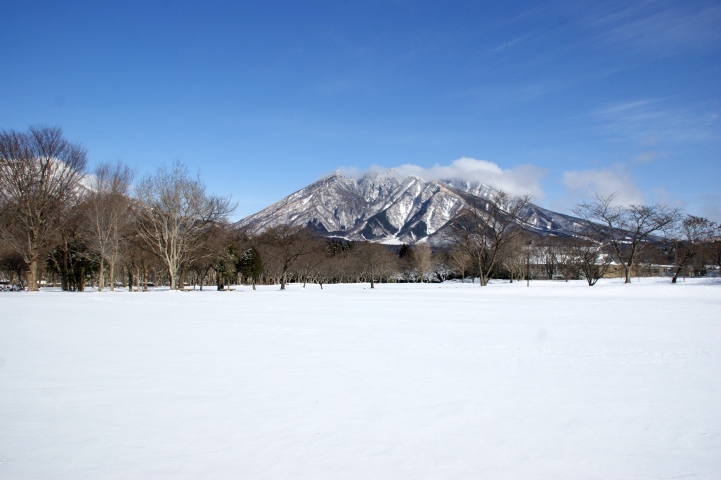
(556, 381)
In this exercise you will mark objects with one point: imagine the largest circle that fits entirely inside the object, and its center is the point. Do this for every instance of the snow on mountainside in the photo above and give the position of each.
(385, 209)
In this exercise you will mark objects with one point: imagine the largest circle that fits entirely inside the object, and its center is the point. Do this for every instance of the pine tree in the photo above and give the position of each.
(250, 265)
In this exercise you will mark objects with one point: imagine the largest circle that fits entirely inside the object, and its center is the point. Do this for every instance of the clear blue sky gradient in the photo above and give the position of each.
(264, 98)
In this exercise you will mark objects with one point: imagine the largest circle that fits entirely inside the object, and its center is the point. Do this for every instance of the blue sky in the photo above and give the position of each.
(560, 99)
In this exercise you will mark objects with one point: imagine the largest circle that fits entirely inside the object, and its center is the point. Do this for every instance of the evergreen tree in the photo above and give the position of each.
(250, 265)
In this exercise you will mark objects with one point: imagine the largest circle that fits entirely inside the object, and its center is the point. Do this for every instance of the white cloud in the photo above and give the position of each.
(520, 180)
(604, 182)
(665, 197)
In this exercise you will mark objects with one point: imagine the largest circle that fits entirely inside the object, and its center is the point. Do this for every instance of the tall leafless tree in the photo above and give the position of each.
(175, 212)
(108, 214)
(39, 176)
(487, 230)
(627, 230)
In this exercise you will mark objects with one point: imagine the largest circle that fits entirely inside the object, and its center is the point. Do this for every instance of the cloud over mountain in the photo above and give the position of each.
(520, 180)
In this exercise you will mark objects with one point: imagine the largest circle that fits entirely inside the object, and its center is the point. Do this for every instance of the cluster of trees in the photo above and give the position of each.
(58, 222)
(65, 226)
(489, 236)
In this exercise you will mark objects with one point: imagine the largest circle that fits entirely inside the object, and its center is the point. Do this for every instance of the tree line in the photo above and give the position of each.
(63, 225)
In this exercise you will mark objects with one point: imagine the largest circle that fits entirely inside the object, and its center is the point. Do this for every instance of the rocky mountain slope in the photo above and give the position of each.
(386, 209)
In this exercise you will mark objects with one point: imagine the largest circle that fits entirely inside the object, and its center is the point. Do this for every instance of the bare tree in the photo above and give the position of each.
(71, 258)
(338, 264)
(212, 254)
(688, 240)
(423, 260)
(374, 260)
(625, 229)
(460, 261)
(282, 246)
(487, 230)
(440, 267)
(517, 260)
(137, 259)
(108, 214)
(39, 175)
(712, 245)
(175, 213)
(588, 259)
(310, 266)
(547, 255)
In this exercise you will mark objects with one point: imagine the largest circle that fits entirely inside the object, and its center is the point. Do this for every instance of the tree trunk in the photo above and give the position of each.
(81, 281)
(173, 281)
(628, 273)
(181, 277)
(101, 277)
(282, 282)
(112, 276)
(33, 275)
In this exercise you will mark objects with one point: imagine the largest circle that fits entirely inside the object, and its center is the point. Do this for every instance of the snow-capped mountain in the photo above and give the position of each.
(386, 209)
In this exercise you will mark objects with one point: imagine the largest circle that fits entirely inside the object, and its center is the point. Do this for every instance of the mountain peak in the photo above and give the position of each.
(387, 208)
(332, 175)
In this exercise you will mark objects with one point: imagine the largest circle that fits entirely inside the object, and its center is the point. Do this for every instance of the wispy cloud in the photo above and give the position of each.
(512, 43)
(604, 182)
(664, 29)
(520, 180)
(651, 118)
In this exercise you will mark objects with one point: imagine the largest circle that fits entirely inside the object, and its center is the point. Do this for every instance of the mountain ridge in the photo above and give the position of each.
(387, 209)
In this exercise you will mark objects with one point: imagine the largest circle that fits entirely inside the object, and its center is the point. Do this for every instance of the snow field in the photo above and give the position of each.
(556, 381)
